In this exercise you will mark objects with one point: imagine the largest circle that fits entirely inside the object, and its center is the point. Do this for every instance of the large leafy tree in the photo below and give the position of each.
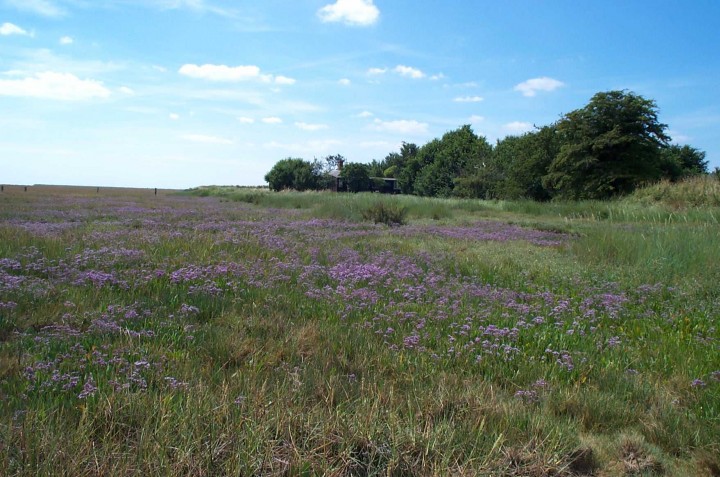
(522, 161)
(292, 173)
(356, 176)
(609, 147)
(421, 157)
(683, 161)
(458, 153)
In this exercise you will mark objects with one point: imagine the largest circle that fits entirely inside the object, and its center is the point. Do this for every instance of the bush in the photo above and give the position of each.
(696, 191)
(389, 214)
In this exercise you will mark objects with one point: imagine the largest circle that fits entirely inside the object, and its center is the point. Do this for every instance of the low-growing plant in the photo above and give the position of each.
(385, 213)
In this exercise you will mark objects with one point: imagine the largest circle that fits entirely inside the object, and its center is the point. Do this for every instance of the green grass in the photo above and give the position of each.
(234, 333)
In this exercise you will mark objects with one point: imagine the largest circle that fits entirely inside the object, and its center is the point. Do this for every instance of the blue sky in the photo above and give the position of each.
(181, 93)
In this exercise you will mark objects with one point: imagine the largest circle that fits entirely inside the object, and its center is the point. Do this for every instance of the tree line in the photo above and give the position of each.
(609, 147)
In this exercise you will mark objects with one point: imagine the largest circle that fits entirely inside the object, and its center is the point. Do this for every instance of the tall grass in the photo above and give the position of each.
(697, 191)
(694, 203)
(237, 334)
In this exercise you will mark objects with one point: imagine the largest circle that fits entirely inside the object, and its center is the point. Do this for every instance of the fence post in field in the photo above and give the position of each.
(156, 191)
(25, 188)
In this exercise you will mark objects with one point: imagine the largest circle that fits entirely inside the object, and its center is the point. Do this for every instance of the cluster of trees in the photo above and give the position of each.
(609, 147)
(299, 174)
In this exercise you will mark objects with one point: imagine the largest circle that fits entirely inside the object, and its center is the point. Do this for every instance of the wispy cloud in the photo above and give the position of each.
(344, 82)
(517, 127)
(310, 127)
(66, 40)
(205, 139)
(531, 87)
(377, 71)
(409, 71)
(246, 120)
(7, 29)
(402, 126)
(284, 80)
(312, 147)
(402, 70)
(198, 6)
(45, 8)
(272, 120)
(224, 73)
(53, 85)
(468, 99)
(350, 12)
(679, 137)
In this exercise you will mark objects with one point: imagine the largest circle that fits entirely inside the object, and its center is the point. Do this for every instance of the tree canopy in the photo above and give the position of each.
(609, 147)
(292, 173)
(356, 176)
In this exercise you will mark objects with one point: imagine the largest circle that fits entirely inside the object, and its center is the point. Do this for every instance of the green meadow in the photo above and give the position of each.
(234, 331)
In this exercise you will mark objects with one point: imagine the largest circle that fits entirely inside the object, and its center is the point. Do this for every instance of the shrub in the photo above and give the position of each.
(382, 213)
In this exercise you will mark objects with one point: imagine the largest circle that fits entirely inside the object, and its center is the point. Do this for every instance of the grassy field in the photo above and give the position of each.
(227, 331)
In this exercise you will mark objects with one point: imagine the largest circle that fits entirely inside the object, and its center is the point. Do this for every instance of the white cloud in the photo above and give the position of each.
(52, 85)
(313, 147)
(409, 71)
(174, 116)
(383, 144)
(7, 29)
(438, 76)
(206, 139)
(310, 127)
(272, 120)
(517, 127)
(401, 126)
(224, 73)
(66, 40)
(679, 137)
(530, 87)
(200, 6)
(126, 90)
(221, 72)
(344, 82)
(476, 119)
(365, 114)
(45, 8)
(468, 99)
(350, 12)
(284, 80)
(246, 120)
(377, 71)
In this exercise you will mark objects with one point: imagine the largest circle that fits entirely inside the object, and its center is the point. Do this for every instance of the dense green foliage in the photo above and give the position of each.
(291, 173)
(356, 177)
(682, 161)
(608, 148)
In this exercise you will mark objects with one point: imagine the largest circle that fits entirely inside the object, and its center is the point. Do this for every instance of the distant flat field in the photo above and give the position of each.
(235, 331)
